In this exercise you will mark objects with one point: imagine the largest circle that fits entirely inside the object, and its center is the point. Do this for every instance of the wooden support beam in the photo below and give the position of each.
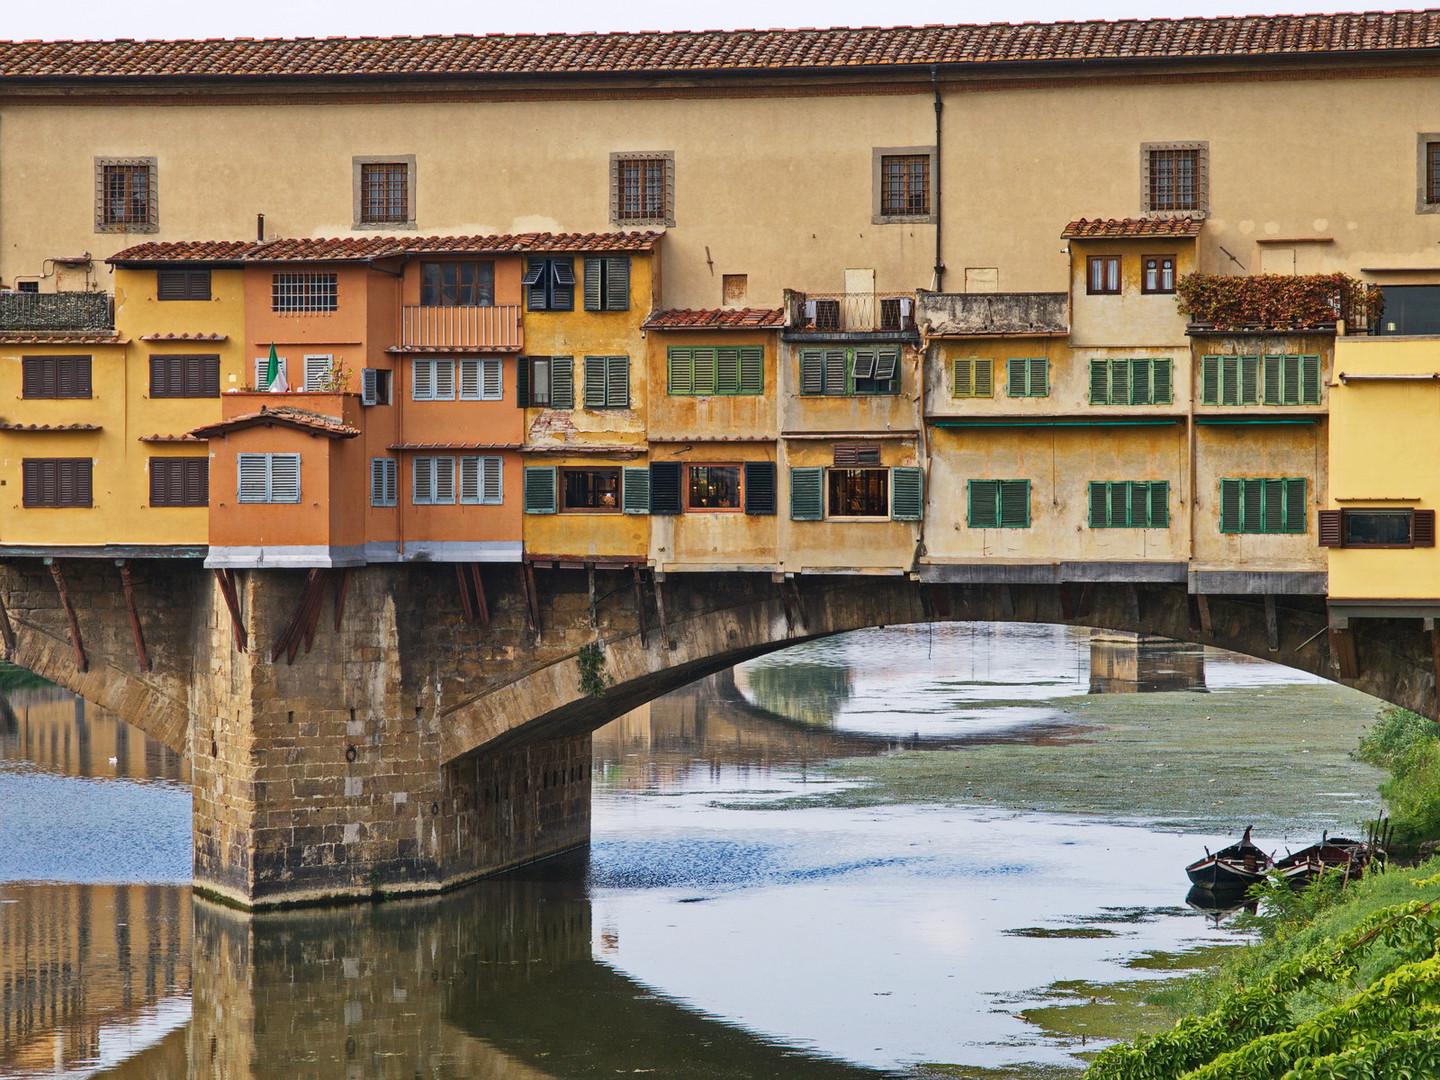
(341, 591)
(312, 613)
(81, 663)
(482, 607)
(590, 584)
(1342, 649)
(7, 633)
(226, 580)
(294, 634)
(939, 600)
(1007, 602)
(532, 599)
(640, 606)
(1435, 662)
(659, 580)
(1132, 605)
(1272, 624)
(794, 605)
(135, 630)
(466, 608)
(1202, 612)
(1069, 604)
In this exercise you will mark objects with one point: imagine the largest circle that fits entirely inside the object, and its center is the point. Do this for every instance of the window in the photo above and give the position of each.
(184, 377)
(1262, 506)
(268, 478)
(262, 371)
(432, 380)
(851, 454)
(725, 369)
(997, 504)
(1129, 504)
(1175, 177)
(55, 377)
(546, 382)
(320, 374)
(57, 481)
(432, 481)
(858, 492)
(1411, 309)
(125, 196)
(1028, 376)
(182, 283)
(1377, 528)
(1239, 380)
(849, 371)
(550, 284)
(607, 382)
(608, 490)
(384, 480)
(974, 377)
(901, 184)
(894, 494)
(1131, 382)
(1102, 274)
(481, 480)
(590, 490)
(642, 188)
(457, 284)
(713, 487)
(384, 192)
(375, 386)
(292, 292)
(1427, 200)
(1159, 274)
(480, 379)
(607, 284)
(1291, 380)
(179, 481)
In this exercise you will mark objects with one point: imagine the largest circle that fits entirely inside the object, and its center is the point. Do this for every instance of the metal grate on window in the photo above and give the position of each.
(384, 193)
(905, 185)
(1174, 180)
(292, 292)
(640, 189)
(1432, 173)
(126, 195)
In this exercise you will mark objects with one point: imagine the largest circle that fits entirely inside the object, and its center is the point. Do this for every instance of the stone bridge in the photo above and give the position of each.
(403, 729)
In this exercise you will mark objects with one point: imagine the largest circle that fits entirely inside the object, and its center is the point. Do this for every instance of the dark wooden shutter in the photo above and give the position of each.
(183, 283)
(1422, 528)
(851, 454)
(56, 481)
(665, 487)
(807, 494)
(535, 284)
(759, 487)
(562, 289)
(1331, 530)
(562, 382)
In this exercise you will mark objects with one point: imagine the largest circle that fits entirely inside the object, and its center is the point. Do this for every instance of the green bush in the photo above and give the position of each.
(1408, 746)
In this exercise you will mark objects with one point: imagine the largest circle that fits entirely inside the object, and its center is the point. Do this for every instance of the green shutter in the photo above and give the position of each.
(1164, 387)
(1230, 504)
(1040, 377)
(562, 382)
(837, 372)
(617, 382)
(704, 360)
(522, 381)
(1252, 506)
(1099, 382)
(752, 369)
(862, 364)
(635, 495)
(1309, 380)
(1099, 502)
(592, 284)
(1159, 499)
(806, 486)
(907, 488)
(1209, 380)
(812, 371)
(595, 381)
(984, 378)
(1120, 382)
(982, 504)
(1296, 515)
(1015, 504)
(1273, 505)
(1142, 373)
(1016, 371)
(1229, 380)
(540, 489)
(617, 283)
(962, 382)
(727, 370)
(1249, 380)
(1274, 392)
(1292, 380)
(681, 372)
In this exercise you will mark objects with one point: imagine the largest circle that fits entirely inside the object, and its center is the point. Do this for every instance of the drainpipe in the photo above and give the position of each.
(939, 201)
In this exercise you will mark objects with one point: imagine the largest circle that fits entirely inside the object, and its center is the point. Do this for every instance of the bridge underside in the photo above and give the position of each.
(403, 729)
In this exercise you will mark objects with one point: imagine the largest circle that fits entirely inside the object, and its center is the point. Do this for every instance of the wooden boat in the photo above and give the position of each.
(1231, 869)
(1332, 853)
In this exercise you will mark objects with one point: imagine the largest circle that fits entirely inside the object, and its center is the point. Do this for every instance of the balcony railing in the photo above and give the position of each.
(60, 312)
(864, 313)
(473, 328)
(994, 313)
(1274, 302)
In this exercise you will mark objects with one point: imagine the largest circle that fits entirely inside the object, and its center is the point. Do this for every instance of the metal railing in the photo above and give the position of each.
(850, 312)
(461, 327)
(56, 312)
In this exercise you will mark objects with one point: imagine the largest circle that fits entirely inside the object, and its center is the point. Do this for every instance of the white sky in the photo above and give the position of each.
(91, 19)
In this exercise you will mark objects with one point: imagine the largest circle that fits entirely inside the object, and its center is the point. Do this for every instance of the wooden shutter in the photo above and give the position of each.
(562, 288)
(1039, 379)
(1296, 508)
(1210, 380)
(1120, 389)
(807, 494)
(1309, 380)
(593, 284)
(491, 381)
(1159, 499)
(209, 375)
(492, 480)
(252, 473)
(617, 283)
(160, 474)
(469, 379)
(984, 377)
(1252, 506)
(617, 382)
(1273, 392)
(1099, 383)
(539, 489)
(422, 481)
(470, 479)
(422, 380)
(535, 284)
(159, 377)
(759, 487)
(38, 377)
(680, 376)
(285, 478)
(727, 370)
(752, 370)
(317, 372)
(1249, 380)
(863, 364)
(562, 382)
(444, 380)
(704, 366)
(1164, 382)
(835, 372)
(635, 493)
(444, 479)
(665, 495)
(812, 371)
(1099, 500)
(887, 362)
(1229, 380)
(1292, 380)
(1422, 528)
(1015, 504)
(907, 486)
(982, 504)
(595, 382)
(182, 284)
(1142, 382)
(369, 387)
(382, 481)
(1016, 372)
(963, 382)
(1331, 530)
(522, 381)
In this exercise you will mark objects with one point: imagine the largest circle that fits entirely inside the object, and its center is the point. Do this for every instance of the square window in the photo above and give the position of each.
(858, 492)
(642, 188)
(1159, 274)
(383, 195)
(125, 195)
(590, 490)
(713, 487)
(1175, 178)
(179, 481)
(57, 481)
(549, 284)
(457, 284)
(185, 376)
(1102, 275)
(291, 293)
(902, 179)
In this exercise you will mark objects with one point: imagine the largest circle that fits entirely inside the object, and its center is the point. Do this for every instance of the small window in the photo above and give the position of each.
(607, 284)
(27, 286)
(375, 386)
(384, 194)
(125, 196)
(268, 478)
(974, 377)
(457, 284)
(1230, 380)
(1175, 178)
(832, 372)
(184, 376)
(998, 504)
(1405, 528)
(1427, 200)
(1028, 376)
(903, 185)
(1103, 275)
(55, 377)
(432, 481)
(590, 490)
(1291, 380)
(182, 283)
(858, 492)
(292, 292)
(57, 482)
(549, 284)
(480, 379)
(1129, 504)
(481, 480)
(1159, 274)
(642, 189)
(1131, 382)
(1263, 505)
(320, 373)
(179, 481)
(714, 487)
(724, 370)
(546, 382)
(432, 380)
(607, 382)
(384, 481)
(262, 372)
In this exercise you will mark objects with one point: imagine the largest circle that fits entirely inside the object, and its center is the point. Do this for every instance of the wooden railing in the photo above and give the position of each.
(461, 327)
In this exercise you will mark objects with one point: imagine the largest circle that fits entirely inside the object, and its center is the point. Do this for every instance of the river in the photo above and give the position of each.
(910, 852)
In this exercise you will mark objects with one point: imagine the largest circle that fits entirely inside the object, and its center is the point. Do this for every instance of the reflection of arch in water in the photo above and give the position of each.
(57, 732)
(810, 693)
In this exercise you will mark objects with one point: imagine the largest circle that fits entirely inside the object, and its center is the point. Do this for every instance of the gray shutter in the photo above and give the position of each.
(422, 481)
(369, 386)
(886, 362)
(863, 366)
(617, 382)
(285, 478)
(806, 494)
(759, 487)
(444, 480)
(907, 485)
(665, 487)
(540, 489)
(377, 481)
(812, 371)
(617, 283)
(562, 382)
(592, 284)
(469, 379)
(635, 497)
(534, 282)
(253, 478)
(469, 479)
(317, 372)
(522, 381)
(562, 293)
(492, 481)
(595, 382)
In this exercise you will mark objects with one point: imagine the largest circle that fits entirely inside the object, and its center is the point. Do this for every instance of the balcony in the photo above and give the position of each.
(864, 316)
(461, 329)
(993, 314)
(57, 313)
(1221, 303)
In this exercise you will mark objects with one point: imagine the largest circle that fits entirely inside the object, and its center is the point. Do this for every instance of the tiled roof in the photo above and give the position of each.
(569, 54)
(284, 415)
(717, 319)
(158, 438)
(72, 337)
(1119, 228)
(360, 248)
(182, 337)
(48, 427)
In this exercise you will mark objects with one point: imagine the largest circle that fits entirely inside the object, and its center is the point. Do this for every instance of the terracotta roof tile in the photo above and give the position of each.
(49, 427)
(569, 54)
(158, 438)
(73, 337)
(717, 319)
(1119, 228)
(353, 248)
(182, 337)
(284, 415)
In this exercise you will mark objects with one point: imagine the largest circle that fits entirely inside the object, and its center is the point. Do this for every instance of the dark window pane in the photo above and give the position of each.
(1377, 527)
(859, 492)
(591, 489)
(714, 487)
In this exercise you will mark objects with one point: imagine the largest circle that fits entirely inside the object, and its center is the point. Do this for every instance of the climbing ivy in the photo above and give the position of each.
(1277, 301)
(593, 679)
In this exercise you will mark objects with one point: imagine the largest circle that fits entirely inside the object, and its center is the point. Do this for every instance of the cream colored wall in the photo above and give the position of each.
(848, 412)
(1133, 317)
(1385, 445)
(699, 540)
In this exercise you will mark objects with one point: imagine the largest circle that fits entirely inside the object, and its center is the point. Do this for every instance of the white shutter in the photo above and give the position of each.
(422, 487)
(369, 387)
(469, 380)
(469, 479)
(317, 371)
(444, 380)
(444, 479)
(285, 478)
(490, 385)
(422, 380)
(262, 369)
(491, 491)
(253, 475)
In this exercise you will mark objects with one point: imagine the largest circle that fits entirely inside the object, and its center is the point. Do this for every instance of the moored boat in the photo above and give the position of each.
(1231, 869)
(1348, 857)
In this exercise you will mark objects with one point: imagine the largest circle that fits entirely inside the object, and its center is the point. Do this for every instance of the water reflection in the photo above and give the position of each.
(46, 729)
(1122, 663)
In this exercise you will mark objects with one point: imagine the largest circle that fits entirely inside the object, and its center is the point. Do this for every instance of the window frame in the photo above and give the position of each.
(879, 215)
(105, 221)
(688, 487)
(832, 473)
(1169, 206)
(196, 369)
(1160, 271)
(564, 471)
(972, 380)
(81, 378)
(384, 481)
(1427, 172)
(304, 292)
(606, 395)
(994, 501)
(186, 465)
(270, 462)
(190, 282)
(489, 378)
(1243, 498)
(1141, 492)
(544, 283)
(360, 208)
(481, 464)
(482, 290)
(434, 365)
(1109, 281)
(1029, 385)
(434, 465)
(1333, 527)
(837, 366)
(82, 482)
(662, 161)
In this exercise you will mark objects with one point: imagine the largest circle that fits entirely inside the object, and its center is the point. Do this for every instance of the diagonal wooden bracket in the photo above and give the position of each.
(226, 580)
(81, 663)
(135, 631)
(7, 633)
(640, 606)
(300, 630)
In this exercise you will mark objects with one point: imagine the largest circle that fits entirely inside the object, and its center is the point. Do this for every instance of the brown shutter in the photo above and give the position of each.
(209, 376)
(1422, 528)
(1332, 528)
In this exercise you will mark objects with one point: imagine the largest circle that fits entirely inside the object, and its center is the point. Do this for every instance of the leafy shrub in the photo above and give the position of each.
(1277, 301)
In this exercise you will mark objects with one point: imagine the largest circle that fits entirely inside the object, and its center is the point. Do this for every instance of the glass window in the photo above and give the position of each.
(1380, 528)
(457, 284)
(713, 487)
(1104, 274)
(859, 492)
(1159, 274)
(590, 490)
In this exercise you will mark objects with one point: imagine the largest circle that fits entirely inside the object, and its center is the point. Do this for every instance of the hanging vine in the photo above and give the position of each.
(593, 677)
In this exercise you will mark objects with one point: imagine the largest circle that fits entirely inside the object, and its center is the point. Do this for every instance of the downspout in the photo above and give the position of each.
(939, 201)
